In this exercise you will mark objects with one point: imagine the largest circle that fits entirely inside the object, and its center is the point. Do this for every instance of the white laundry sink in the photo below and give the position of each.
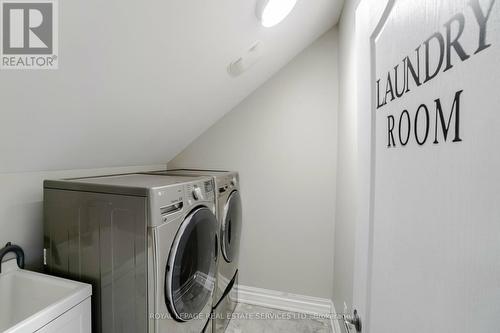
(36, 302)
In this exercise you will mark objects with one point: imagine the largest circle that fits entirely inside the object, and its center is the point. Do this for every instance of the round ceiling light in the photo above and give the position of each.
(272, 12)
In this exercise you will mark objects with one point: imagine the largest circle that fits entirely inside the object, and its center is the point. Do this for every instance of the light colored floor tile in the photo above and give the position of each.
(250, 319)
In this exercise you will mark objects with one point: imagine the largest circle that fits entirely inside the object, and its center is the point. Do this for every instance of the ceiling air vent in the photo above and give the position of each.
(250, 58)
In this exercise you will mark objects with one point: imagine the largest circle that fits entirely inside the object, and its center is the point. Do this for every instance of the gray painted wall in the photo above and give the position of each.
(283, 141)
(21, 206)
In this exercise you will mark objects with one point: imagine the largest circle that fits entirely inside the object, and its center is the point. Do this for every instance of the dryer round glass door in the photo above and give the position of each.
(191, 266)
(231, 227)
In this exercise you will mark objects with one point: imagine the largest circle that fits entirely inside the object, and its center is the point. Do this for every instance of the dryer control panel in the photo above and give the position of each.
(170, 203)
(227, 183)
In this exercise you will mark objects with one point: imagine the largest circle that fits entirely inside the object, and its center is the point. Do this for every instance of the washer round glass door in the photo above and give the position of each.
(231, 227)
(191, 266)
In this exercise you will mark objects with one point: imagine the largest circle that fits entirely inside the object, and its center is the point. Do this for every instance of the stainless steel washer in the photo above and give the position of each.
(148, 244)
(229, 216)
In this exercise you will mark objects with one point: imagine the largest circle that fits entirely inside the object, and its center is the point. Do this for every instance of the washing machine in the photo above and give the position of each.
(228, 212)
(147, 244)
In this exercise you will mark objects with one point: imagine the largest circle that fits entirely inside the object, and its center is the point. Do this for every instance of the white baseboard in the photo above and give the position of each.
(333, 320)
(289, 302)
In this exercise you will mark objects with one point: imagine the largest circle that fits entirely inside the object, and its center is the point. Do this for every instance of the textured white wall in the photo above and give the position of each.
(283, 141)
(436, 206)
(434, 224)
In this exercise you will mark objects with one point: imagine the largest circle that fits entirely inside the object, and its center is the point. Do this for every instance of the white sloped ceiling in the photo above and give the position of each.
(139, 80)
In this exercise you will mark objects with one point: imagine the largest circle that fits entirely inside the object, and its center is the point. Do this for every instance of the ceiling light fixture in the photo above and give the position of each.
(272, 12)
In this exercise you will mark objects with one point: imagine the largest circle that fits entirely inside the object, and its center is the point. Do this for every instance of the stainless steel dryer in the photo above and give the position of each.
(147, 244)
(229, 210)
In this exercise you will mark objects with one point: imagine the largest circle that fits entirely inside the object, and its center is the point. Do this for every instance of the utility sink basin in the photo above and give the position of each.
(34, 302)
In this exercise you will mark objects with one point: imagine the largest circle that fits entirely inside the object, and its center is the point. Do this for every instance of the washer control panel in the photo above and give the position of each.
(171, 202)
(200, 191)
(197, 193)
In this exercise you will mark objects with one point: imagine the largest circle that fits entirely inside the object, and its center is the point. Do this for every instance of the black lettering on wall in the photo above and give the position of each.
(409, 68)
(460, 19)
(440, 53)
(455, 109)
(438, 49)
(390, 128)
(424, 107)
(378, 96)
(439, 38)
(408, 122)
(482, 20)
(399, 94)
(388, 88)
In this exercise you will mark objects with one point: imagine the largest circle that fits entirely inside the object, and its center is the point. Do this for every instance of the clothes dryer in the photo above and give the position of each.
(147, 244)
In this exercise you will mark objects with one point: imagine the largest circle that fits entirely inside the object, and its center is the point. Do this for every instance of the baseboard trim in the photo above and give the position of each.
(288, 302)
(334, 321)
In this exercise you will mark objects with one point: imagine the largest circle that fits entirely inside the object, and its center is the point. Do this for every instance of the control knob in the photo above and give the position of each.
(197, 194)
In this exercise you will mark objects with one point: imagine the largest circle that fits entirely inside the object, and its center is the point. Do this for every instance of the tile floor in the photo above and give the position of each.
(255, 319)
